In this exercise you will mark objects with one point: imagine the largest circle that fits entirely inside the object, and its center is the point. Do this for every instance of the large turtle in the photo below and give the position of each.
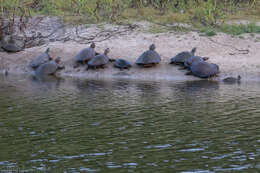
(149, 58)
(41, 59)
(48, 68)
(203, 69)
(11, 47)
(99, 60)
(180, 58)
(188, 62)
(85, 55)
(122, 64)
(232, 80)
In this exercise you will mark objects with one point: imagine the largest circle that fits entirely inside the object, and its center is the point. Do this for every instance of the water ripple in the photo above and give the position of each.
(127, 126)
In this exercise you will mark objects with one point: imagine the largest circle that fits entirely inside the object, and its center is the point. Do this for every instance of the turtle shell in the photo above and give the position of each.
(47, 68)
(188, 62)
(85, 54)
(122, 63)
(98, 60)
(41, 59)
(204, 69)
(232, 79)
(149, 57)
(181, 57)
(11, 48)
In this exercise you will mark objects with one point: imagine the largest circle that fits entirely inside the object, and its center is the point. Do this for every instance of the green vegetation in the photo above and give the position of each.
(240, 29)
(199, 13)
(233, 29)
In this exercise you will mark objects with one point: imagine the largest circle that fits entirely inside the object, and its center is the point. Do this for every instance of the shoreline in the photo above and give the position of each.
(234, 55)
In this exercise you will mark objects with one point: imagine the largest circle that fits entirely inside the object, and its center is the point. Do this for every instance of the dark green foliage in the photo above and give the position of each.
(200, 13)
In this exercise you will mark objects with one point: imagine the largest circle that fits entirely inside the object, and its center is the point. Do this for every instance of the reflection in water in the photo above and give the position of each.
(46, 80)
(126, 126)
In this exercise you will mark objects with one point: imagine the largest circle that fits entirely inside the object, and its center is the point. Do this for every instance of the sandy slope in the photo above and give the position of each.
(222, 50)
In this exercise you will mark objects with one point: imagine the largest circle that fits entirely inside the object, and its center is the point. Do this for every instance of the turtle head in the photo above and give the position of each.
(107, 51)
(93, 45)
(47, 50)
(193, 51)
(152, 47)
(205, 58)
(57, 60)
(238, 77)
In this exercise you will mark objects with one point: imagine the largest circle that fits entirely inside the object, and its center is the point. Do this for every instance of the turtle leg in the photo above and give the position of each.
(6, 72)
(182, 68)
(61, 67)
(111, 60)
(76, 65)
(188, 73)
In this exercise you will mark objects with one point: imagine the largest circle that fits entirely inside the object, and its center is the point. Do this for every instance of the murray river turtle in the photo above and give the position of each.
(232, 79)
(188, 62)
(48, 68)
(41, 59)
(149, 58)
(99, 60)
(203, 69)
(181, 57)
(11, 47)
(85, 55)
(122, 64)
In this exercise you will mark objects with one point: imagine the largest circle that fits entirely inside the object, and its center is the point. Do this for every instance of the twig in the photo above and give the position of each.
(240, 51)
(107, 34)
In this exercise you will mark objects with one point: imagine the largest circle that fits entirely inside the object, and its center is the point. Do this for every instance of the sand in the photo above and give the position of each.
(234, 55)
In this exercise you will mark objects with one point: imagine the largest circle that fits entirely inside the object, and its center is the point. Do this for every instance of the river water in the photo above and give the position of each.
(128, 126)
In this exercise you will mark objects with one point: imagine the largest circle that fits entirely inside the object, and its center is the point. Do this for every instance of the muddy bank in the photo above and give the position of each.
(234, 55)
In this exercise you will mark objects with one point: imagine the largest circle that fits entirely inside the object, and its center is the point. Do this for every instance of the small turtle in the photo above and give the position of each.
(203, 69)
(232, 79)
(180, 58)
(188, 62)
(41, 59)
(85, 55)
(99, 60)
(48, 68)
(149, 58)
(11, 47)
(122, 64)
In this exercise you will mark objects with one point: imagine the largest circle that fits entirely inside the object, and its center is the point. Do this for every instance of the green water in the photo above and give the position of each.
(126, 126)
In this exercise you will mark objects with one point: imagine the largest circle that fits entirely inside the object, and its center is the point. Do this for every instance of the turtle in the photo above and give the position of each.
(232, 79)
(41, 59)
(149, 58)
(203, 69)
(85, 55)
(122, 64)
(181, 57)
(48, 68)
(11, 47)
(188, 62)
(99, 60)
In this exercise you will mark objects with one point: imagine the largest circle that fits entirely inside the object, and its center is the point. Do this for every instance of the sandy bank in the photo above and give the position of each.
(224, 50)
